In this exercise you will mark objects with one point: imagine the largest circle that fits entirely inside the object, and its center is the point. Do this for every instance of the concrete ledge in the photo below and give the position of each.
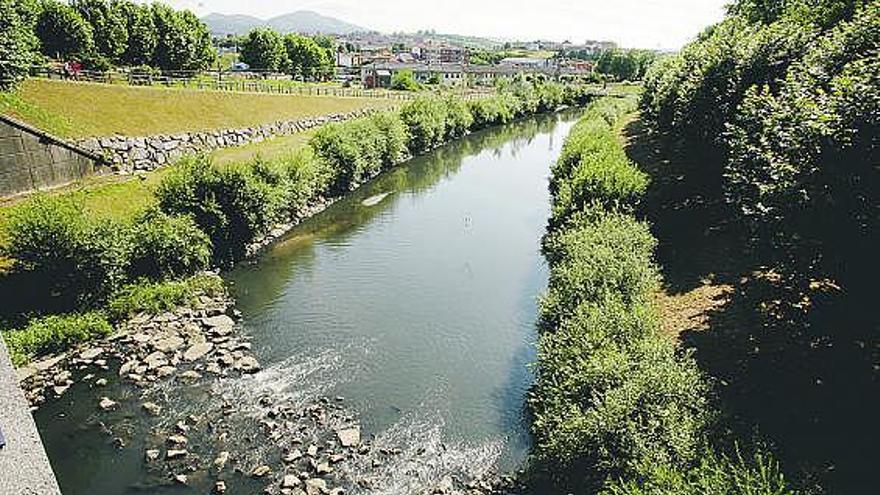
(24, 467)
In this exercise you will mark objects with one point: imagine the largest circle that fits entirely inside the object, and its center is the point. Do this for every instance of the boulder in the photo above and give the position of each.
(197, 351)
(349, 437)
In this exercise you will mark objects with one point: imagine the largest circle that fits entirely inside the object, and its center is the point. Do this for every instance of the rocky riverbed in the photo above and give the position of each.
(223, 436)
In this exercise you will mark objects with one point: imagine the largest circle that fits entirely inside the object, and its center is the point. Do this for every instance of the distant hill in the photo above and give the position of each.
(302, 21)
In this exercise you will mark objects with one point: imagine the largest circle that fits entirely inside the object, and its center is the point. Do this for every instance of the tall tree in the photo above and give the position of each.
(264, 49)
(142, 36)
(63, 31)
(108, 26)
(16, 45)
(184, 42)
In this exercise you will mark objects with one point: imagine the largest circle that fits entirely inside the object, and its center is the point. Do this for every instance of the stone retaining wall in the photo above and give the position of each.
(131, 154)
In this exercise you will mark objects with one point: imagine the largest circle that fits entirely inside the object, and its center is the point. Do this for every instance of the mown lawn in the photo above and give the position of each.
(78, 110)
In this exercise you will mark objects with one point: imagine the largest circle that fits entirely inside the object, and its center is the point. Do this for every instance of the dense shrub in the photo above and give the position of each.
(74, 259)
(425, 118)
(165, 246)
(600, 255)
(805, 156)
(458, 118)
(54, 334)
(231, 205)
(714, 475)
(296, 179)
(156, 297)
(493, 110)
(358, 150)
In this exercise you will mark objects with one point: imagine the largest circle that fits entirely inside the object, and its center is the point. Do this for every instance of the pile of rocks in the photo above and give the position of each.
(135, 154)
(185, 343)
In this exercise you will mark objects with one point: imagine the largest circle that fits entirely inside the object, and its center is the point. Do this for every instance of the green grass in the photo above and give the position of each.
(54, 334)
(78, 110)
(268, 149)
(154, 298)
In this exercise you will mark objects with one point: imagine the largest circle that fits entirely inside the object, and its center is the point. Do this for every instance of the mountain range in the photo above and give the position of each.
(302, 21)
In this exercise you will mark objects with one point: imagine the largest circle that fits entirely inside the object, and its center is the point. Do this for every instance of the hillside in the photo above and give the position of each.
(301, 21)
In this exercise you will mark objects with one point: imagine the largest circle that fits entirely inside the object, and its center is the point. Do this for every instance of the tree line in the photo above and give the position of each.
(309, 57)
(99, 34)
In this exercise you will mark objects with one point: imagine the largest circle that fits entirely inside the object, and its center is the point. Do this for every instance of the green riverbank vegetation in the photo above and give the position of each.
(770, 121)
(67, 261)
(618, 407)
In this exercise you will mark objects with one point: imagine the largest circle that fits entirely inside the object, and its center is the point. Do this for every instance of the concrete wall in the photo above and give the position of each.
(31, 159)
(24, 467)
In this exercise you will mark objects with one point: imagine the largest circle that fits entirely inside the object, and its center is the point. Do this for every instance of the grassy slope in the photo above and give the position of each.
(76, 110)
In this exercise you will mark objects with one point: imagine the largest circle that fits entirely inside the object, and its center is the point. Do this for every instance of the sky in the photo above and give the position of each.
(657, 24)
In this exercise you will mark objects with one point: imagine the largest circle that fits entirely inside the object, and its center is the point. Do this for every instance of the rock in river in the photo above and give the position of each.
(197, 351)
(106, 404)
(349, 437)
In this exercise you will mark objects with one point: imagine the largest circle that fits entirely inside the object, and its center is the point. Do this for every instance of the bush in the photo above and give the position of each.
(492, 110)
(804, 157)
(598, 256)
(297, 179)
(70, 258)
(403, 80)
(359, 149)
(458, 118)
(165, 246)
(714, 475)
(54, 334)
(157, 297)
(231, 205)
(425, 119)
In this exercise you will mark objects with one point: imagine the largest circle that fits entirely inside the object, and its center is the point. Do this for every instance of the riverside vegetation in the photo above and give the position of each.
(95, 270)
(618, 407)
(766, 133)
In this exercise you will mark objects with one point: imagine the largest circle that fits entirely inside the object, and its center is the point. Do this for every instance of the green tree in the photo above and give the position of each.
(15, 46)
(184, 42)
(307, 58)
(404, 80)
(108, 26)
(142, 36)
(264, 49)
(63, 31)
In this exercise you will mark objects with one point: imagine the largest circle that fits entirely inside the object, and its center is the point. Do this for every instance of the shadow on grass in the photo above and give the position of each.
(794, 351)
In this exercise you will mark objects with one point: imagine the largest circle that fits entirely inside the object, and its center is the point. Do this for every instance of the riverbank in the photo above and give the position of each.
(222, 213)
(620, 406)
(405, 452)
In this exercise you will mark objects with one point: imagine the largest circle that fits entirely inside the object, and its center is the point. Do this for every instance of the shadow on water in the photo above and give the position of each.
(792, 342)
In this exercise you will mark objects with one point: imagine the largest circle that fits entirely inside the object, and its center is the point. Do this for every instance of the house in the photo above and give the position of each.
(379, 75)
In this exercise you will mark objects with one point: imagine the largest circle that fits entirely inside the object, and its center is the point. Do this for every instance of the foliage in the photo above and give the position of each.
(108, 26)
(492, 110)
(54, 334)
(307, 58)
(714, 475)
(63, 31)
(263, 49)
(142, 34)
(156, 297)
(593, 168)
(231, 205)
(73, 258)
(804, 156)
(184, 42)
(165, 247)
(15, 46)
(625, 64)
(425, 117)
(404, 80)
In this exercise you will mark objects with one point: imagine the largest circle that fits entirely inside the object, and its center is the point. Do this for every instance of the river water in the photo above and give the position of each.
(414, 299)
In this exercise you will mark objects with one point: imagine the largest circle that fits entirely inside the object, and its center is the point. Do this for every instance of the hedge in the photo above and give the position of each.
(617, 405)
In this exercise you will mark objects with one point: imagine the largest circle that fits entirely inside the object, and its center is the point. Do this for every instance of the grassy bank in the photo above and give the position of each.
(70, 257)
(618, 406)
(78, 110)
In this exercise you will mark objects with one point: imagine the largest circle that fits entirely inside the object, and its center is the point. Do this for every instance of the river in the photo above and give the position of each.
(414, 299)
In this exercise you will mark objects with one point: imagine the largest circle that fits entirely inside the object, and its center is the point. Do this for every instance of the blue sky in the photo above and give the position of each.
(665, 24)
